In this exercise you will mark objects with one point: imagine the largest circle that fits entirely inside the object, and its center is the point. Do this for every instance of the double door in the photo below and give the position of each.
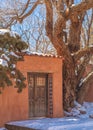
(37, 84)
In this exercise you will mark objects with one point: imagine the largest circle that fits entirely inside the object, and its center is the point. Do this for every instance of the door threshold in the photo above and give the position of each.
(35, 118)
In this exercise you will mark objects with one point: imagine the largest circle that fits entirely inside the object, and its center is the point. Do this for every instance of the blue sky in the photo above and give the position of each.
(39, 11)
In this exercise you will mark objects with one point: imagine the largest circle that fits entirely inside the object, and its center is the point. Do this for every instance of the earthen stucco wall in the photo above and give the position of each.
(89, 93)
(14, 106)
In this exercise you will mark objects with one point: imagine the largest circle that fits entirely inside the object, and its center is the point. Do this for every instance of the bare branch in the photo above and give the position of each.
(78, 9)
(21, 18)
(49, 19)
(84, 87)
(82, 68)
(82, 7)
(74, 33)
(83, 52)
(60, 5)
(89, 24)
(26, 6)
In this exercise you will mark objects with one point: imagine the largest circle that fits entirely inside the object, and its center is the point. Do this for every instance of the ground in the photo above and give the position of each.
(76, 121)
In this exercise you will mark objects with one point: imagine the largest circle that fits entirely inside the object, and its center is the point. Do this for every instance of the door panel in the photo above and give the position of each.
(37, 94)
(31, 95)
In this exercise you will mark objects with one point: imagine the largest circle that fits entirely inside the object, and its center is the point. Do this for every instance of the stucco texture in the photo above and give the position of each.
(14, 106)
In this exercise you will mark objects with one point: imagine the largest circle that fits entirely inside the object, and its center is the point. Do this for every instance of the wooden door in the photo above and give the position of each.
(37, 94)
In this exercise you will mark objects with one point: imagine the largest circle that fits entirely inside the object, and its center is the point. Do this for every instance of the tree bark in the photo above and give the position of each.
(55, 33)
(76, 15)
(75, 32)
(69, 82)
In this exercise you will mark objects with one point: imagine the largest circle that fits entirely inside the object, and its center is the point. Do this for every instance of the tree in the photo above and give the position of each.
(10, 47)
(66, 39)
(32, 31)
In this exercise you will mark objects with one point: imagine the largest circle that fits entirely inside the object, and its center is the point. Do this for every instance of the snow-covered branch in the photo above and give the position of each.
(84, 85)
(10, 45)
(82, 7)
(83, 52)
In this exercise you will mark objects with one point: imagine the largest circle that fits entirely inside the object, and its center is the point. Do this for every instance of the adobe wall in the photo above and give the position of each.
(89, 94)
(14, 106)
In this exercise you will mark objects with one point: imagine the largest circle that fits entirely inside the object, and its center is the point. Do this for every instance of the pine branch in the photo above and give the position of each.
(11, 43)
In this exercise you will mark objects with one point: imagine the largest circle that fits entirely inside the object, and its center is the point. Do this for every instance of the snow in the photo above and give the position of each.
(40, 54)
(13, 72)
(37, 53)
(85, 79)
(13, 54)
(0, 49)
(76, 72)
(3, 31)
(72, 5)
(5, 56)
(18, 80)
(4, 59)
(76, 121)
(13, 65)
(3, 128)
(3, 63)
(12, 33)
(77, 104)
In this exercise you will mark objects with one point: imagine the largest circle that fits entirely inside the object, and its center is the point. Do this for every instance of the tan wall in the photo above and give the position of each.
(89, 94)
(14, 106)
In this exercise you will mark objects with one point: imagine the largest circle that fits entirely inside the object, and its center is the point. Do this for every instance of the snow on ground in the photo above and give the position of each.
(2, 129)
(74, 120)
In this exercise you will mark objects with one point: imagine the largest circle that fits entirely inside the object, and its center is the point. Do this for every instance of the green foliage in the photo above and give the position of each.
(9, 43)
(20, 81)
(10, 48)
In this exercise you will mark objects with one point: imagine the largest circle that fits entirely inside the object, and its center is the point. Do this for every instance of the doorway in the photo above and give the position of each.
(38, 94)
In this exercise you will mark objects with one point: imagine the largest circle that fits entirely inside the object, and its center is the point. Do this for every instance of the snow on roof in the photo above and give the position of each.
(40, 54)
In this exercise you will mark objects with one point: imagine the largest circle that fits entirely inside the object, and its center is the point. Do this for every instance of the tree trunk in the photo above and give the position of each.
(69, 83)
(75, 32)
(69, 77)
(55, 32)
(74, 39)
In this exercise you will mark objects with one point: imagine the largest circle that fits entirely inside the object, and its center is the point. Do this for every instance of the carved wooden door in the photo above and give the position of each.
(37, 94)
